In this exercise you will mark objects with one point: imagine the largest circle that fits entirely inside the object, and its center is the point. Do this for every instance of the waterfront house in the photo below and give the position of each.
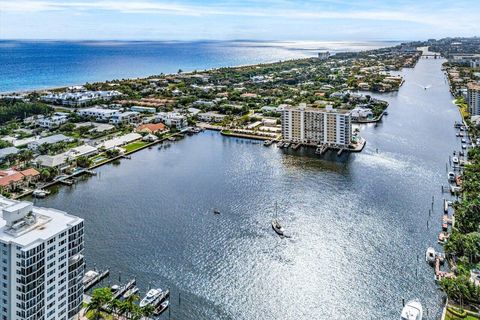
(119, 141)
(11, 179)
(152, 128)
(81, 151)
(59, 161)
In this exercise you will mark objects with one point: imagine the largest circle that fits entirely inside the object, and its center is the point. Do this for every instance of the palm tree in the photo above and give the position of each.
(100, 297)
(115, 305)
(128, 306)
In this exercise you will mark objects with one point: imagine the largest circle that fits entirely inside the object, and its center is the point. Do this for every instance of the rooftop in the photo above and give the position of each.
(473, 86)
(30, 223)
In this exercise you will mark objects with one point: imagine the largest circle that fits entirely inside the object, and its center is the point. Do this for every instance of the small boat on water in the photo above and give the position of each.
(385, 113)
(451, 176)
(413, 310)
(162, 307)
(115, 288)
(267, 143)
(130, 292)
(40, 193)
(277, 227)
(153, 297)
(430, 255)
(216, 211)
(455, 160)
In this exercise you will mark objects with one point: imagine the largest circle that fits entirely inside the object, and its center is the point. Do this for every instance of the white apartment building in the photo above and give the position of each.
(41, 263)
(315, 126)
(79, 98)
(473, 98)
(99, 114)
(128, 117)
(172, 119)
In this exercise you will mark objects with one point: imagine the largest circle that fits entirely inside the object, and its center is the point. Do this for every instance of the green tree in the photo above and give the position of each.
(84, 162)
(100, 297)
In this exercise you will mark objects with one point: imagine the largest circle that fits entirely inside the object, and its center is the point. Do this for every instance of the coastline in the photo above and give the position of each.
(307, 54)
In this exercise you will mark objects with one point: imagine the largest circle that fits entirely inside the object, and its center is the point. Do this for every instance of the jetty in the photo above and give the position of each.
(93, 277)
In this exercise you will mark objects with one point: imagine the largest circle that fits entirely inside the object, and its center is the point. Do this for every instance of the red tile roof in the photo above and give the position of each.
(11, 176)
(151, 127)
(30, 172)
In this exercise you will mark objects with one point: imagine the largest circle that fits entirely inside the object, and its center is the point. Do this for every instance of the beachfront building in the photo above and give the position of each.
(41, 262)
(100, 114)
(75, 99)
(473, 98)
(314, 126)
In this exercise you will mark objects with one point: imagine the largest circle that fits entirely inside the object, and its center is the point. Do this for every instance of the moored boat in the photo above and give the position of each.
(40, 193)
(154, 297)
(430, 255)
(130, 292)
(162, 307)
(413, 310)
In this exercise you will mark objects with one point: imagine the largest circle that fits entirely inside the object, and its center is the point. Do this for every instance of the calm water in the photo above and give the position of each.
(46, 64)
(357, 223)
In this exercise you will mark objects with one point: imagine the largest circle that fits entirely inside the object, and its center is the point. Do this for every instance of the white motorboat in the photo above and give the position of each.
(130, 292)
(39, 193)
(413, 310)
(154, 297)
(430, 255)
(162, 307)
(451, 176)
(151, 297)
(455, 160)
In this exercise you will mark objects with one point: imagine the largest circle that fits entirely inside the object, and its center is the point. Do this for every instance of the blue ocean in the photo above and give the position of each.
(27, 65)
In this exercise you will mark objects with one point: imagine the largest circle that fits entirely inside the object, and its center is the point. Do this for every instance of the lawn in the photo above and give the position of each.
(451, 316)
(462, 104)
(134, 146)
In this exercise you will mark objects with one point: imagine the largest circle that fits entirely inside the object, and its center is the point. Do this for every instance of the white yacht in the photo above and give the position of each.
(455, 160)
(413, 310)
(154, 297)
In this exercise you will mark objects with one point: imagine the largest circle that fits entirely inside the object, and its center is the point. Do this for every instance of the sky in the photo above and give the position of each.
(339, 20)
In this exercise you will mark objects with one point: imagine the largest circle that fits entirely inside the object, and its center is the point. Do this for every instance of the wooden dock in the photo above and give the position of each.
(102, 275)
